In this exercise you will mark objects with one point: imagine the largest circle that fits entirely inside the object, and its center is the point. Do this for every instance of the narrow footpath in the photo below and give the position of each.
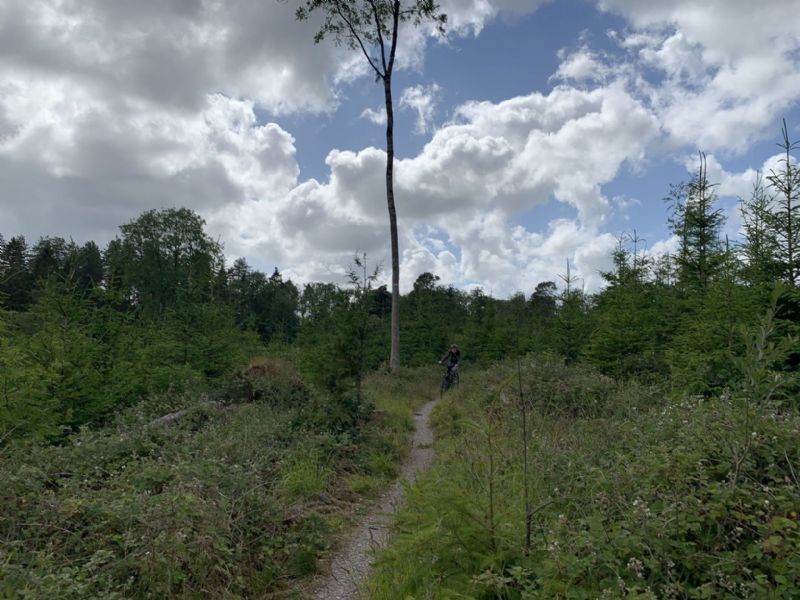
(350, 567)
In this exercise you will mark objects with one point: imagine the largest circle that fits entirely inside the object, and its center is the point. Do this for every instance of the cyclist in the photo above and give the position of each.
(451, 359)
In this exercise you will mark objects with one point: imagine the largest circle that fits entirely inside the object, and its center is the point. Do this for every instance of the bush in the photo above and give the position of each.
(270, 380)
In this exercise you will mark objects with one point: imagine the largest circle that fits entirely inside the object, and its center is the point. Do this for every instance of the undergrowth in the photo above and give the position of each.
(629, 494)
(238, 498)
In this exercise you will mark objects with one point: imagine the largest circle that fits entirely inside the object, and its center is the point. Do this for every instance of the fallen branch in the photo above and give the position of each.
(172, 417)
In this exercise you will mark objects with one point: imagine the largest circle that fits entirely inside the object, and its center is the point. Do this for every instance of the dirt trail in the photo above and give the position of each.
(351, 565)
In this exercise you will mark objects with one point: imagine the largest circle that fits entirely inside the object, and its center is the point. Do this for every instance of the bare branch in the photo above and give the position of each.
(380, 34)
(357, 37)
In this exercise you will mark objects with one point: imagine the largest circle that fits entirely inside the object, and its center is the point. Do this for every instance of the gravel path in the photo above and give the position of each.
(351, 565)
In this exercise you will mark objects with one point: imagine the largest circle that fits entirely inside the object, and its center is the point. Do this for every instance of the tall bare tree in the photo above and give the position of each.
(371, 27)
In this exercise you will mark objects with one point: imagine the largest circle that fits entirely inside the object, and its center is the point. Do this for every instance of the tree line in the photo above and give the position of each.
(85, 330)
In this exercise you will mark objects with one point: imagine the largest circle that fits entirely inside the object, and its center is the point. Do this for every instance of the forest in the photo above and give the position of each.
(677, 383)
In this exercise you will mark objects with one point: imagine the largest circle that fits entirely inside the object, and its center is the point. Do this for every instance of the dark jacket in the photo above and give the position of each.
(452, 358)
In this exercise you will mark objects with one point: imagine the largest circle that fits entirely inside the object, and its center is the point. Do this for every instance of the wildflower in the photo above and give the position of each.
(637, 566)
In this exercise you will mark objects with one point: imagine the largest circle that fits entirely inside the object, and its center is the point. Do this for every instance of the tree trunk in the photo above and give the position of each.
(394, 356)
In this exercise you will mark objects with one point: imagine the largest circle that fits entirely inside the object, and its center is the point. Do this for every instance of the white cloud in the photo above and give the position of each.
(458, 199)
(582, 65)
(663, 247)
(469, 17)
(110, 108)
(76, 167)
(422, 99)
(730, 68)
(376, 116)
(727, 184)
(172, 54)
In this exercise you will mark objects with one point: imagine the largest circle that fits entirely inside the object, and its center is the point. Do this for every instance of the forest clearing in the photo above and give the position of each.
(569, 368)
(620, 454)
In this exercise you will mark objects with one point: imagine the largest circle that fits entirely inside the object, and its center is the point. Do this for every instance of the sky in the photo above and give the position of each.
(536, 132)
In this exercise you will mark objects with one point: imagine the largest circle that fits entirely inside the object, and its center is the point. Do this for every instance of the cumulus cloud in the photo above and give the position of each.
(116, 153)
(668, 246)
(718, 91)
(71, 160)
(727, 184)
(108, 108)
(111, 108)
(462, 193)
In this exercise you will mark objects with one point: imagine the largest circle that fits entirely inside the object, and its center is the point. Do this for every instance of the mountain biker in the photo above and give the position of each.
(452, 359)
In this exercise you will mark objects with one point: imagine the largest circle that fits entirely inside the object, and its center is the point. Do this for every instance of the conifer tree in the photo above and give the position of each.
(89, 266)
(760, 248)
(573, 328)
(697, 224)
(784, 219)
(622, 343)
(16, 281)
(49, 258)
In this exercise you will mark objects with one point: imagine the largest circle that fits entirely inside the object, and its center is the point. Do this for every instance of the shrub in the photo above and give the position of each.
(629, 496)
(271, 380)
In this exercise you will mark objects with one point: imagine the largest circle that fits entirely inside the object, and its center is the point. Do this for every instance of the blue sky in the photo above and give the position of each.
(539, 132)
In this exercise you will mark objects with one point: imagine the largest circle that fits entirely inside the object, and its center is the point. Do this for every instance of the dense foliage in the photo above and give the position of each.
(557, 482)
(235, 498)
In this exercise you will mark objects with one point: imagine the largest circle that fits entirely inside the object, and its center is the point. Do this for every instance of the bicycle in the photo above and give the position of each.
(449, 379)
